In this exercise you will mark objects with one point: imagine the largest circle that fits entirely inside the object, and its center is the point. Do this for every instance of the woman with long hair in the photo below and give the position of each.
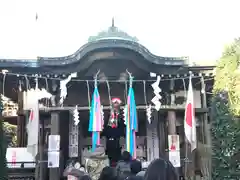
(160, 169)
(108, 173)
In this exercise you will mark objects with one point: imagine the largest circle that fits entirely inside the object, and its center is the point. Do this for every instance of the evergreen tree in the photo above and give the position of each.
(3, 148)
(225, 110)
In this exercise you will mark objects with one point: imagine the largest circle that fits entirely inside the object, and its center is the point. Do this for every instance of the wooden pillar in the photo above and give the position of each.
(21, 129)
(54, 173)
(205, 116)
(162, 137)
(19, 134)
(64, 134)
(172, 114)
(207, 126)
(80, 140)
(152, 138)
(42, 165)
(155, 135)
(171, 122)
(20, 121)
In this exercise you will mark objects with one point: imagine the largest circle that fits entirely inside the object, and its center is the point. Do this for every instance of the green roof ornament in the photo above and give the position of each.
(112, 33)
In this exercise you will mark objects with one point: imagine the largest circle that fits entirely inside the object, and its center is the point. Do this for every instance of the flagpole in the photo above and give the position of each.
(40, 135)
(186, 159)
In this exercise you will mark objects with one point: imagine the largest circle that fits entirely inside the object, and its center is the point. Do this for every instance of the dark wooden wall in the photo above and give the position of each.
(64, 133)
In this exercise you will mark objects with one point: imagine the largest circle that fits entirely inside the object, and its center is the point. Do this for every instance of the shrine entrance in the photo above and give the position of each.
(113, 147)
(113, 138)
(159, 86)
(113, 131)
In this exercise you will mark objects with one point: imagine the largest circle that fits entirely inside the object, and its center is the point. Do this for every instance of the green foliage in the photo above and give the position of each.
(225, 113)
(3, 148)
(11, 132)
(227, 75)
(224, 140)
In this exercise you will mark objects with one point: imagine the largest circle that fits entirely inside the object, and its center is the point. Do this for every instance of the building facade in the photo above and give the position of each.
(111, 54)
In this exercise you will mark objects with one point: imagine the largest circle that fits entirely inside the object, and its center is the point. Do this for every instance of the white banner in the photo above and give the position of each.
(16, 156)
(174, 150)
(174, 158)
(173, 143)
(53, 142)
(53, 159)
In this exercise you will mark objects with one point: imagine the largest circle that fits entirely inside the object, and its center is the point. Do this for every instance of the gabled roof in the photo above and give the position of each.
(112, 38)
(112, 33)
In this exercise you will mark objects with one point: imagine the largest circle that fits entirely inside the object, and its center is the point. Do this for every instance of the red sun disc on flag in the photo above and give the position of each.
(189, 114)
(31, 115)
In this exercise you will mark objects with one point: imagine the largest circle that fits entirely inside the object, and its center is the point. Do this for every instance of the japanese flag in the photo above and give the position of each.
(190, 122)
(33, 127)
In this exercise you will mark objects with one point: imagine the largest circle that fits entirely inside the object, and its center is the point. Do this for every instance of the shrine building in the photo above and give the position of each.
(106, 61)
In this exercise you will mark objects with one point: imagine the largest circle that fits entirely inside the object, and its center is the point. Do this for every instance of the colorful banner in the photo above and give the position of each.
(96, 119)
(131, 124)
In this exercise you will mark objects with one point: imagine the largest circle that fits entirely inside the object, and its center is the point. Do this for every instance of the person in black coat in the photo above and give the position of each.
(160, 169)
(123, 166)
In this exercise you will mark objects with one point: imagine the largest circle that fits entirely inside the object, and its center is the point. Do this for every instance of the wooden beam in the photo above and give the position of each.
(139, 107)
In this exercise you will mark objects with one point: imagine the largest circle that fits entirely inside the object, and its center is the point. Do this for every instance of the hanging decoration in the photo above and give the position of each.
(96, 117)
(125, 114)
(125, 102)
(148, 107)
(157, 90)
(76, 116)
(149, 113)
(131, 120)
(73, 142)
(63, 87)
(115, 111)
(102, 113)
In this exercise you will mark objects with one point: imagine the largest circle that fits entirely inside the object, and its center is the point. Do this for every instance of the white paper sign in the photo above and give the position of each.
(153, 74)
(53, 142)
(53, 159)
(174, 158)
(173, 143)
(15, 157)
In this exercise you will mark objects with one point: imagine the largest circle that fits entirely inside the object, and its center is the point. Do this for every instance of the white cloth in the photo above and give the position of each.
(33, 126)
(190, 121)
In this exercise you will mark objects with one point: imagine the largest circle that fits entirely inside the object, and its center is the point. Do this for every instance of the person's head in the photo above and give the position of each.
(85, 177)
(160, 169)
(134, 178)
(124, 175)
(108, 173)
(126, 156)
(136, 166)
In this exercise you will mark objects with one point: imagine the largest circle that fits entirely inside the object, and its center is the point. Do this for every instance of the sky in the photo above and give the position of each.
(195, 28)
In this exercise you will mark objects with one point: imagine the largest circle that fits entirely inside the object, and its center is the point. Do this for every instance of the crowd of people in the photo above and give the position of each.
(129, 169)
